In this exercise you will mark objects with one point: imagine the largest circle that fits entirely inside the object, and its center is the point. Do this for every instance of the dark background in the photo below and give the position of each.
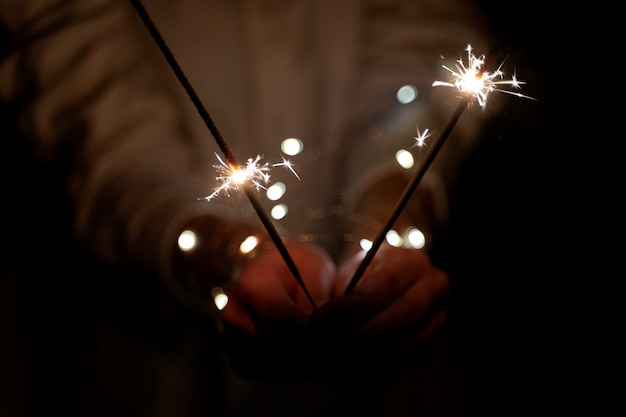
(529, 246)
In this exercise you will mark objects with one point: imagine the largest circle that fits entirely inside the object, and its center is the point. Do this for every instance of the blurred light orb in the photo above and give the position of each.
(248, 244)
(405, 158)
(393, 238)
(187, 240)
(279, 211)
(366, 244)
(220, 301)
(416, 238)
(406, 94)
(276, 191)
(219, 298)
(291, 146)
(239, 176)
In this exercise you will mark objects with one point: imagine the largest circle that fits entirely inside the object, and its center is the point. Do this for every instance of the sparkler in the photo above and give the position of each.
(421, 137)
(231, 178)
(473, 81)
(232, 173)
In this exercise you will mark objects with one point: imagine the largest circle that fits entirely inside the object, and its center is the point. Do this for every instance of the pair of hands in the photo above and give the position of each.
(273, 332)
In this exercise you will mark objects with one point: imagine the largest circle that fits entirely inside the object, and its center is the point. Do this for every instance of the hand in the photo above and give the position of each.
(267, 312)
(389, 317)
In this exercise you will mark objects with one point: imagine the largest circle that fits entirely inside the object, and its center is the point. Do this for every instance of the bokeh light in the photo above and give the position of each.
(406, 94)
(393, 238)
(187, 240)
(291, 146)
(416, 238)
(405, 158)
(279, 211)
(276, 191)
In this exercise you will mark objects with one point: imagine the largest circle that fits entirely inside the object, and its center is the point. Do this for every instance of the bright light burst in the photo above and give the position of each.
(253, 172)
(232, 177)
(472, 79)
(421, 137)
(287, 164)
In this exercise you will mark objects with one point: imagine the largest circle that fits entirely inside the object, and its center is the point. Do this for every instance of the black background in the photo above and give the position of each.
(534, 231)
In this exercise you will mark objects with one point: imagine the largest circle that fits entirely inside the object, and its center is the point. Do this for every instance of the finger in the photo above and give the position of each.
(341, 316)
(317, 271)
(268, 297)
(236, 314)
(415, 304)
(393, 270)
(406, 353)
(260, 299)
(345, 272)
(401, 266)
(368, 325)
(390, 290)
(271, 305)
(421, 337)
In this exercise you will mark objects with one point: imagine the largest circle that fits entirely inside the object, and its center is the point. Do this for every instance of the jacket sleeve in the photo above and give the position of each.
(93, 95)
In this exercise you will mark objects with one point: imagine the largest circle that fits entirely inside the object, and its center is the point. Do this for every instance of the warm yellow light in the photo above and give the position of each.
(365, 244)
(187, 240)
(291, 146)
(219, 298)
(416, 238)
(248, 244)
(393, 238)
(404, 158)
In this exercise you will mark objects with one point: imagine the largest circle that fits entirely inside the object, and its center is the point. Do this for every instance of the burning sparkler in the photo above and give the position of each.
(287, 164)
(231, 173)
(232, 177)
(474, 81)
(421, 137)
(253, 172)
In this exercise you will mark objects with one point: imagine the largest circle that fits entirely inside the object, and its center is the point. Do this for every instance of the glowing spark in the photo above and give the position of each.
(232, 177)
(473, 80)
(421, 137)
(286, 163)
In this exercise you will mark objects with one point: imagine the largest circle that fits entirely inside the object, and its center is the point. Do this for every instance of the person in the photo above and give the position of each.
(115, 167)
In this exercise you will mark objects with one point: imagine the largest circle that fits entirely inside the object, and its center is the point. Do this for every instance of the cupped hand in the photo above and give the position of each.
(267, 312)
(389, 316)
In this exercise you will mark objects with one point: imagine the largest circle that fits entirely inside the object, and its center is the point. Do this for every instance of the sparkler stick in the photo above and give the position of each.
(208, 121)
(474, 81)
(408, 191)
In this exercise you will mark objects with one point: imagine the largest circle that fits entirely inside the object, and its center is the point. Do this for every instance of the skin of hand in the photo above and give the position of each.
(387, 319)
(265, 320)
(273, 333)
(266, 297)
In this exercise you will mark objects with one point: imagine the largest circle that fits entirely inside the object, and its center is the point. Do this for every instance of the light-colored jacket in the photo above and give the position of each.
(106, 153)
